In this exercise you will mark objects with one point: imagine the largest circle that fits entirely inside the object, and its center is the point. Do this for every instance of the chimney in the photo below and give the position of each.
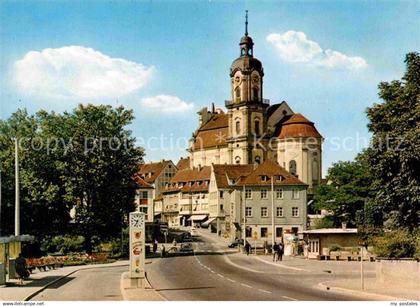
(343, 225)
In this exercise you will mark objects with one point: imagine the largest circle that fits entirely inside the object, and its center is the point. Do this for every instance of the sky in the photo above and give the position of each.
(168, 59)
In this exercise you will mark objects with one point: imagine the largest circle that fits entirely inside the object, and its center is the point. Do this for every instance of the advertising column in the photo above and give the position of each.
(137, 244)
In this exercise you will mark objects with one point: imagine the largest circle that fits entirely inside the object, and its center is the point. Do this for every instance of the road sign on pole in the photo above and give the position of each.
(137, 244)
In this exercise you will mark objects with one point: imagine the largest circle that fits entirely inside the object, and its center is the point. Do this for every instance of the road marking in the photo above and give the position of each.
(231, 280)
(212, 271)
(289, 298)
(245, 285)
(220, 275)
(281, 265)
(265, 291)
(226, 257)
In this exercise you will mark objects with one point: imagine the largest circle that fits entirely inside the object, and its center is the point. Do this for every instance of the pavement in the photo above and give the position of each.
(40, 281)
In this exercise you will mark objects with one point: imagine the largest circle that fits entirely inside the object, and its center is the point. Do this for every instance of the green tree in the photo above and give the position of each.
(394, 156)
(347, 191)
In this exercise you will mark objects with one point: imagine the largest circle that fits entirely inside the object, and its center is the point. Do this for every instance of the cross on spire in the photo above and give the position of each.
(246, 23)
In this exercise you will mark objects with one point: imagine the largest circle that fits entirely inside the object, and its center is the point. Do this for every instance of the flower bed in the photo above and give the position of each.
(52, 262)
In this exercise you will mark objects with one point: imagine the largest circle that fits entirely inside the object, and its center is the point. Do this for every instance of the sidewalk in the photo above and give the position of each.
(38, 281)
(130, 293)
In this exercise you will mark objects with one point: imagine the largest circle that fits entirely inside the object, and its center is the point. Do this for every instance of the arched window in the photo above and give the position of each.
(243, 51)
(315, 170)
(237, 160)
(238, 93)
(257, 160)
(255, 94)
(292, 167)
(257, 127)
(238, 127)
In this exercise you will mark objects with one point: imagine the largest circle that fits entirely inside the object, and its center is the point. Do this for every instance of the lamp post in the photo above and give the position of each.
(17, 189)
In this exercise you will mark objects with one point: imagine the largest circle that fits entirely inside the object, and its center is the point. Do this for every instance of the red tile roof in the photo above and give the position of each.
(190, 180)
(149, 172)
(213, 133)
(183, 163)
(298, 126)
(225, 173)
(141, 182)
(269, 169)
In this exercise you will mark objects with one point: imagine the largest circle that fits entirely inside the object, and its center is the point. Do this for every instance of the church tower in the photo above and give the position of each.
(247, 108)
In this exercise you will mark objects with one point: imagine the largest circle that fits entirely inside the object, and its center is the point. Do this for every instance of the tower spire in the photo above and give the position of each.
(246, 23)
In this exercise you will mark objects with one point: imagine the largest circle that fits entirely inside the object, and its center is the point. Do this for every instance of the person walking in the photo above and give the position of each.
(275, 250)
(21, 269)
(247, 247)
(155, 245)
(163, 254)
(280, 251)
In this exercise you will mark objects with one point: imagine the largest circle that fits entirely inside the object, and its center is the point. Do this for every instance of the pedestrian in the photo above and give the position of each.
(163, 253)
(20, 267)
(247, 247)
(275, 250)
(155, 245)
(280, 251)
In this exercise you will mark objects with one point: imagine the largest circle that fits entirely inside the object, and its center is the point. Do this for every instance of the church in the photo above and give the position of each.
(251, 130)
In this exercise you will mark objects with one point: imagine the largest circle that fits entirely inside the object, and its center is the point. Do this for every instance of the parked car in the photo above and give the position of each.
(193, 231)
(186, 248)
(235, 243)
(186, 237)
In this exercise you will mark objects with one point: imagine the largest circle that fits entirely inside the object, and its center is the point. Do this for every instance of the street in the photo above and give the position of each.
(213, 275)
(102, 283)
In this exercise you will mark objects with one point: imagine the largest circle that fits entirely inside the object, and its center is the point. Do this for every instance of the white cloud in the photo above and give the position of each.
(166, 104)
(78, 72)
(295, 47)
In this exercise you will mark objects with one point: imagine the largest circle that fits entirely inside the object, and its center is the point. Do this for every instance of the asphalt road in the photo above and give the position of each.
(96, 284)
(212, 275)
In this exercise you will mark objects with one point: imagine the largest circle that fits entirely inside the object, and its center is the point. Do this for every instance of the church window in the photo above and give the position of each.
(257, 127)
(292, 167)
(238, 93)
(315, 170)
(243, 51)
(238, 127)
(255, 93)
(237, 160)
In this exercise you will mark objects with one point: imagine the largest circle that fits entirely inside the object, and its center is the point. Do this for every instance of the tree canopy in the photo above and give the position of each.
(82, 160)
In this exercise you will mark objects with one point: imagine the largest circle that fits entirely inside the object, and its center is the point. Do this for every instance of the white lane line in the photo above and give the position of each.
(265, 291)
(245, 285)
(212, 271)
(220, 275)
(231, 280)
(289, 298)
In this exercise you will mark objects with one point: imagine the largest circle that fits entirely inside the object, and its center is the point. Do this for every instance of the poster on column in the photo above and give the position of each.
(137, 244)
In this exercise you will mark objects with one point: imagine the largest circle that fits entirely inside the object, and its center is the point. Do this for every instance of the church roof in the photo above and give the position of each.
(245, 63)
(298, 126)
(212, 133)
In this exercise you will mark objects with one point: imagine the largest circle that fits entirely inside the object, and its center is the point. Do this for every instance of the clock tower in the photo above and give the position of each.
(247, 108)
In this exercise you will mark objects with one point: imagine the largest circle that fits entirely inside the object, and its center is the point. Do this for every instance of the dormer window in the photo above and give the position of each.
(264, 178)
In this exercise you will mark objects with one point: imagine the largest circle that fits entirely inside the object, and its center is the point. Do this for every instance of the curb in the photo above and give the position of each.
(33, 294)
(282, 266)
(322, 286)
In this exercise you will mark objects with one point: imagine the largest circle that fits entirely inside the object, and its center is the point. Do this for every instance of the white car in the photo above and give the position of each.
(193, 232)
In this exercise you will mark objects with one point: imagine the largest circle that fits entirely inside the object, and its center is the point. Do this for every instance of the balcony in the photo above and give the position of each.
(230, 102)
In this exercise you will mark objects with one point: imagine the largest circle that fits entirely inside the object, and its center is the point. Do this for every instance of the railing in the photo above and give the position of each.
(230, 102)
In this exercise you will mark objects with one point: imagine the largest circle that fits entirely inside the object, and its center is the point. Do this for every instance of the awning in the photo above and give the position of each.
(197, 217)
(207, 223)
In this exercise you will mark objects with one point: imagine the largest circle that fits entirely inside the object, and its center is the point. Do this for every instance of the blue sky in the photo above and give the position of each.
(166, 60)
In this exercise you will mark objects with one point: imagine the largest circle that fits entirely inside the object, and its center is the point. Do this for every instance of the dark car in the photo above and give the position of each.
(186, 237)
(186, 248)
(235, 243)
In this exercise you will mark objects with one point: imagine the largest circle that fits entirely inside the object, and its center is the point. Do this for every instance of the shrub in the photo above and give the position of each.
(335, 247)
(396, 244)
(325, 222)
(63, 244)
